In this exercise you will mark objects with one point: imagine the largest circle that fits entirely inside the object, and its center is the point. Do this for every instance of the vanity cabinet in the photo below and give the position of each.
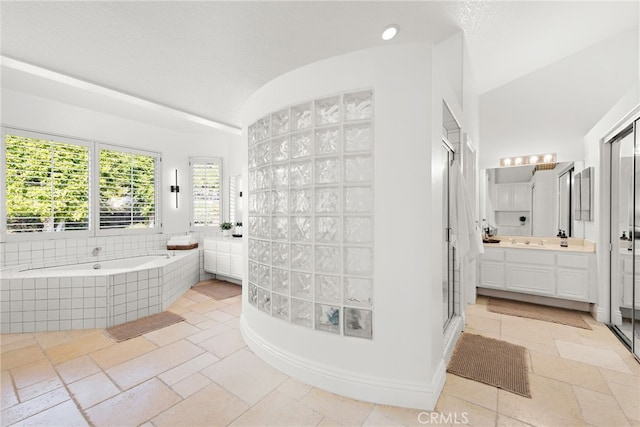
(492, 269)
(223, 257)
(513, 197)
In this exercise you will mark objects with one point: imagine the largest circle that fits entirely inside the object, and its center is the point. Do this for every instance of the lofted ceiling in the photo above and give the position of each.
(207, 57)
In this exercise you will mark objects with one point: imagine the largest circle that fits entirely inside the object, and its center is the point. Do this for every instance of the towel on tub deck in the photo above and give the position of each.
(182, 240)
(466, 236)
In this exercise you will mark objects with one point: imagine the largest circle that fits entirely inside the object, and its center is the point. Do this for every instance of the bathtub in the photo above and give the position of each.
(38, 298)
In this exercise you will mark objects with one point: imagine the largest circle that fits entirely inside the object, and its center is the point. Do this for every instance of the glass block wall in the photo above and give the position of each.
(311, 214)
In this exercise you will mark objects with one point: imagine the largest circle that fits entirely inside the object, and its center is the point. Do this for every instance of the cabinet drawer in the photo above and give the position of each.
(223, 247)
(524, 256)
(573, 261)
(492, 255)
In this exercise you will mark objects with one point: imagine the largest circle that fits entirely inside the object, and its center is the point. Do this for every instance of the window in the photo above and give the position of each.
(46, 184)
(127, 189)
(206, 185)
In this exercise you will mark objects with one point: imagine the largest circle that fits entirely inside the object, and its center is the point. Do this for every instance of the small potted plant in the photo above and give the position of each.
(226, 229)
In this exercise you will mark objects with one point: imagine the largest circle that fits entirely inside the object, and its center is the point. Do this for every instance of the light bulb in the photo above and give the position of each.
(390, 32)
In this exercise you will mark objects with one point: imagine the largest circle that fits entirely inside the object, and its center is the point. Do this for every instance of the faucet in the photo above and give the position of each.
(96, 251)
(541, 243)
(526, 242)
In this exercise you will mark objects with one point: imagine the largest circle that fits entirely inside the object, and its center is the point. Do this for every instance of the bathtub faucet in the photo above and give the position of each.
(96, 251)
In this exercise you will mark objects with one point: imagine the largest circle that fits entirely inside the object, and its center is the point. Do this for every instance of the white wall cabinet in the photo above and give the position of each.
(223, 257)
(513, 197)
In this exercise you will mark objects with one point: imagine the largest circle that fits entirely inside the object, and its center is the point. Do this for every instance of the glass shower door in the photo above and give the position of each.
(448, 250)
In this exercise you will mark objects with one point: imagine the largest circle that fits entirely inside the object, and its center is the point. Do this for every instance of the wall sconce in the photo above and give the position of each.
(532, 159)
(176, 189)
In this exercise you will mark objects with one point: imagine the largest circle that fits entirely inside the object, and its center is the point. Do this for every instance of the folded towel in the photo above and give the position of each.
(182, 240)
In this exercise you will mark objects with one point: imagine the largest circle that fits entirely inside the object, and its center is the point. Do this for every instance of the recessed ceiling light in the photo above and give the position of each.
(390, 32)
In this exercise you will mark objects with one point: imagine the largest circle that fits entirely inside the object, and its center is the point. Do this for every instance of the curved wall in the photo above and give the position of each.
(402, 365)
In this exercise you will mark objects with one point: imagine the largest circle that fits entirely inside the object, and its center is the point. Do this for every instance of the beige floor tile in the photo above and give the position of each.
(134, 406)
(51, 339)
(545, 348)
(234, 323)
(207, 306)
(93, 389)
(553, 404)
(188, 368)
(294, 389)
(75, 369)
(22, 356)
(18, 344)
(208, 324)
(78, 347)
(148, 365)
(569, 371)
(565, 333)
(190, 385)
(376, 419)
(346, 411)
(177, 309)
(216, 328)
(197, 296)
(493, 335)
(225, 343)
(629, 400)
(455, 411)
(504, 421)
(201, 409)
(600, 409)
(40, 388)
(9, 397)
(620, 378)
(484, 324)
(194, 318)
(172, 333)
(330, 422)
(481, 310)
(277, 409)
(220, 316)
(593, 356)
(82, 333)
(232, 309)
(31, 407)
(403, 416)
(6, 339)
(32, 373)
(65, 414)
(528, 330)
(245, 375)
(472, 391)
(121, 352)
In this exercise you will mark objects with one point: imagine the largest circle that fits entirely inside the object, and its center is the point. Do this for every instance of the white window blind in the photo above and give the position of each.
(46, 185)
(206, 184)
(127, 189)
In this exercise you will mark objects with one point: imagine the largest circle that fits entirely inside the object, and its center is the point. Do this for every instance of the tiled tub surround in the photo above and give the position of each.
(74, 297)
(311, 214)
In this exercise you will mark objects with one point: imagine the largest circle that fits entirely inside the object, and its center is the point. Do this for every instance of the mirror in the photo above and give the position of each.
(235, 199)
(529, 200)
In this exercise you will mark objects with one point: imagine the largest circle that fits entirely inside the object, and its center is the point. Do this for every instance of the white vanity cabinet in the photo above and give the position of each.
(492, 268)
(223, 257)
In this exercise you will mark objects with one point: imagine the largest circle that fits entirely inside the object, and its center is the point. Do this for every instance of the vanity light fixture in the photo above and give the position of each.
(390, 32)
(531, 159)
(176, 189)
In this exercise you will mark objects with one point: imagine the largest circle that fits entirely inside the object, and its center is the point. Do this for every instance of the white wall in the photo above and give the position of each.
(45, 115)
(402, 365)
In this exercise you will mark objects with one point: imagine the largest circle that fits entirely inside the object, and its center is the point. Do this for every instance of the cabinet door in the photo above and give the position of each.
(492, 275)
(210, 261)
(224, 263)
(236, 267)
(573, 284)
(531, 279)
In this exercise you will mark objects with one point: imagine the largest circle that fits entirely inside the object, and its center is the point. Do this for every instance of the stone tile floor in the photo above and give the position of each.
(200, 373)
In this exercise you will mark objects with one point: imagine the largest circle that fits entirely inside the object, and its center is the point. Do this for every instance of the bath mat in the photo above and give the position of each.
(539, 312)
(490, 361)
(217, 289)
(141, 326)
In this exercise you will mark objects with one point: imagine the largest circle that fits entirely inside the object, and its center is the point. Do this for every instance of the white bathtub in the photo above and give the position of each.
(103, 267)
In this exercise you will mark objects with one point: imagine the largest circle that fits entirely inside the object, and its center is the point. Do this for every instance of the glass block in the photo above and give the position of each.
(327, 259)
(280, 122)
(259, 202)
(358, 138)
(327, 141)
(300, 173)
(328, 289)
(264, 300)
(251, 157)
(253, 294)
(263, 251)
(300, 201)
(301, 312)
(358, 323)
(280, 280)
(263, 178)
(280, 176)
(327, 229)
(252, 180)
(253, 226)
(301, 257)
(300, 145)
(328, 318)
(301, 229)
(358, 169)
(301, 285)
(253, 249)
(358, 291)
(327, 199)
(264, 276)
(280, 149)
(358, 199)
(358, 261)
(280, 228)
(280, 307)
(358, 229)
(263, 153)
(358, 106)
(328, 111)
(301, 116)
(280, 202)
(253, 272)
(259, 226)
(328, 171)
(280, 254)
(263, 128)
(252, 134)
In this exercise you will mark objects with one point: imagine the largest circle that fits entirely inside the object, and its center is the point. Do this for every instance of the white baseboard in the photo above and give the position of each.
(345, 383)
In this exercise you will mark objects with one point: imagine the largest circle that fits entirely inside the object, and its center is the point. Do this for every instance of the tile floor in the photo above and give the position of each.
(200, 373)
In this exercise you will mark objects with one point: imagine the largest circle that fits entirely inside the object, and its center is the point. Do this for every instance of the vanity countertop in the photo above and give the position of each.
(542, 244)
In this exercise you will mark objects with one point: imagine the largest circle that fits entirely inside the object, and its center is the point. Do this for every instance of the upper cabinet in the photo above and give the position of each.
(513, 197)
